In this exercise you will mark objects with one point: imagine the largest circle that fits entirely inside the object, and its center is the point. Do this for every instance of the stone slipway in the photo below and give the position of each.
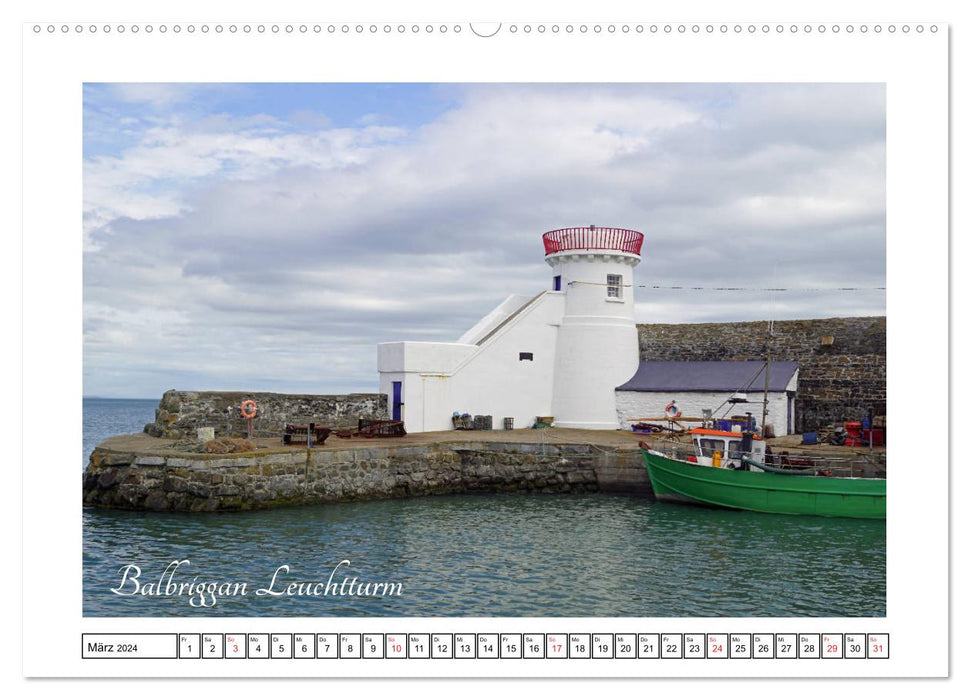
(140, 472)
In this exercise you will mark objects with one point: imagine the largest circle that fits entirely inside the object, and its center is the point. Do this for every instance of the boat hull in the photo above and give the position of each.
(685, 482)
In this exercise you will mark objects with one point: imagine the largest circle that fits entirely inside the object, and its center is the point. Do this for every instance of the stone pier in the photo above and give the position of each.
(139, 473)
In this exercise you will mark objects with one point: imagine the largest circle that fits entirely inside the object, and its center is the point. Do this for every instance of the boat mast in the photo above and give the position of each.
(768, 354)
(768, 369)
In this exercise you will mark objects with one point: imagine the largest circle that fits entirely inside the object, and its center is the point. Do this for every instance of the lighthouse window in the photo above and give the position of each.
(614, 286)
(525, 356)
(556, 283)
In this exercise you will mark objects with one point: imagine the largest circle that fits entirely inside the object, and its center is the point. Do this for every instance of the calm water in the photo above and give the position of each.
(485, 555)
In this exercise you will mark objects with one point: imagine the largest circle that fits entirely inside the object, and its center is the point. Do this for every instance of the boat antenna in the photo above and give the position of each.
(744, 388)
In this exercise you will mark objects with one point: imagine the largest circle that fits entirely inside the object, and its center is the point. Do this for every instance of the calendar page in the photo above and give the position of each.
(413, 345)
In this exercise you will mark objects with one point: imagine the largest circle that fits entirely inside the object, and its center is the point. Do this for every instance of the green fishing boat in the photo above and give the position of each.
(745, 483)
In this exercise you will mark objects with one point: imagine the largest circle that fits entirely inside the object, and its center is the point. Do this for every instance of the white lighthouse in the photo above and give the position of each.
(596, 346)
(561, 352)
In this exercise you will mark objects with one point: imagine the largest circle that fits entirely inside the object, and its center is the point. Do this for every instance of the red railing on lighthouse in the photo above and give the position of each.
(623, 240)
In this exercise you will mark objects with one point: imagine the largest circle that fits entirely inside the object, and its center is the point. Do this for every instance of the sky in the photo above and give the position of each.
(265, 237)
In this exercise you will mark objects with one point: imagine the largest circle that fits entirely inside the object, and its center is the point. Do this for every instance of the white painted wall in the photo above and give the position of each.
(410, 356)
(484, 379)
(496, 382)
(597, 347)
(635, 405)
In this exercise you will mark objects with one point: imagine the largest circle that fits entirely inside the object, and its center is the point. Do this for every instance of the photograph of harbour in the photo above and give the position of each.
(484, 350)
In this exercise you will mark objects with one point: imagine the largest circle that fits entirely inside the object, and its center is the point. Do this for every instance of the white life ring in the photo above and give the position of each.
(671, 411)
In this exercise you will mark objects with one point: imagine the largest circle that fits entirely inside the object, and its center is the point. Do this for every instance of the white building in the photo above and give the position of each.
(696, 386)
(560, 353)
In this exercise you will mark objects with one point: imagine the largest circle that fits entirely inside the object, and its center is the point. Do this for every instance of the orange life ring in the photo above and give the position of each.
(248, 408)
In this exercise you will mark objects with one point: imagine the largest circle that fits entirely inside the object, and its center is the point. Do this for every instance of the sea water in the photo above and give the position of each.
(473, 555)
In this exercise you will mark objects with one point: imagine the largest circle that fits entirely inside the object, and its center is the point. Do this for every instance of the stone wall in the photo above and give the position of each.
(833, 389)
(842, 380)
(180, 413)
(197, 483)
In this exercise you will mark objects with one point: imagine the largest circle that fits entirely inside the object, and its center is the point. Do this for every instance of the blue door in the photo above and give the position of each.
(396, 401)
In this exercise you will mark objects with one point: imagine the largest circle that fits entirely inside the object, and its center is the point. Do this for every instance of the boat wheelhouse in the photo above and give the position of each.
(721, 448)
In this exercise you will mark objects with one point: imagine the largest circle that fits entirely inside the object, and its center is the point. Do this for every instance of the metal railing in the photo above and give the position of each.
(623, 240)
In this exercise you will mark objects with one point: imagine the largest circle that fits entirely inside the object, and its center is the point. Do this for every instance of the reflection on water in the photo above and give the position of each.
(500, 555)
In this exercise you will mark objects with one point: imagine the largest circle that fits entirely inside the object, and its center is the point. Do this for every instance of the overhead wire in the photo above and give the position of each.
(733, 289)
(765, 289)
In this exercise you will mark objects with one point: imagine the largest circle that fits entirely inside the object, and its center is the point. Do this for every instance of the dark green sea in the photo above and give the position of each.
(503, 555)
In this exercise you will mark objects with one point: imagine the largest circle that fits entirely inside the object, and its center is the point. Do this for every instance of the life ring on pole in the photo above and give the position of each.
(248, 409)
(671, 411)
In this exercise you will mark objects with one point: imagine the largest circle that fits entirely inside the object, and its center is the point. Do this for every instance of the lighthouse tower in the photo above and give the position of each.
(596, 346)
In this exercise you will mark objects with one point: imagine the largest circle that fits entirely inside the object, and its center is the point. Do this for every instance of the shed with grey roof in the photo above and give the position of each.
(695, 386)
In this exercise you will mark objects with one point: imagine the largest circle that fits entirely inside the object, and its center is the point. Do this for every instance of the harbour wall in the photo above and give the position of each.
(842, 361)
(181, 413)
(209, 483)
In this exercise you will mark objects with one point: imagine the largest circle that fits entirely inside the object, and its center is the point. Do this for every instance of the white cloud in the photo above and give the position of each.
(158, 95)
(156, 178)
(309, 242)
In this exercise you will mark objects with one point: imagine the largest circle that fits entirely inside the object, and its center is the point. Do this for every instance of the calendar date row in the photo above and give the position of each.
(486, 646)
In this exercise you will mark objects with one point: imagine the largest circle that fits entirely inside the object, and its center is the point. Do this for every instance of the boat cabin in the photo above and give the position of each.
(720, 448)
